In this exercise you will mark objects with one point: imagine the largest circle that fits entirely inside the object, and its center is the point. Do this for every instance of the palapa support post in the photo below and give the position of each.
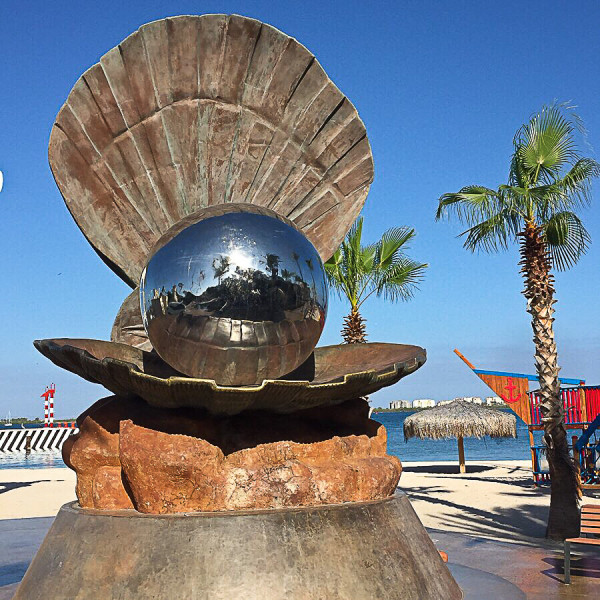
(533, 457)
(461, 454)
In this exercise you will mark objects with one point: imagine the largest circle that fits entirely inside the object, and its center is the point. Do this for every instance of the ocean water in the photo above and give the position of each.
(41, 459)
(486, 448)
(413, 450)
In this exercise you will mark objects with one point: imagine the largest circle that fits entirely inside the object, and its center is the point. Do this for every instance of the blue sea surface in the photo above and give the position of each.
(414, 450)
(41, 459)
(486, 448)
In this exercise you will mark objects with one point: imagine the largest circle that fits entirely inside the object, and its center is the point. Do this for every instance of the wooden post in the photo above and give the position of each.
(577, 457)
(583, 404)
(468, 363)
(533, 461)
(461, 455)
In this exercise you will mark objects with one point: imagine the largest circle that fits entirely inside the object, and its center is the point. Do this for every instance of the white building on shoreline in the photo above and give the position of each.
(471, 399)
(428, 402)
(401, 404)
(423, 403)
(494, 401)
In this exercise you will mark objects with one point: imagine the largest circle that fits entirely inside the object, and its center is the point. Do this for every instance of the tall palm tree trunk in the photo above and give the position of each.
(354, 330)
(563, 520)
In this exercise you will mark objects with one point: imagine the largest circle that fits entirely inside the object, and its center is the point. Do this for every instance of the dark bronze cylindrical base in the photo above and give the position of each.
(354, 551)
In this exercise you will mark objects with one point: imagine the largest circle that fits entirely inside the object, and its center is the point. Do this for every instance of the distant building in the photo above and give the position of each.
(401, 404)
(471, 399)
(423, 403)
(442, 402)
(494, 400)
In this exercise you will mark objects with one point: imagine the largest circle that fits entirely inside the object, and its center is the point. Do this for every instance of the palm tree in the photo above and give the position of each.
(358, 272)
(220, 266)
(296, 258)
(287, 274)
(272, 263)
(548, 181)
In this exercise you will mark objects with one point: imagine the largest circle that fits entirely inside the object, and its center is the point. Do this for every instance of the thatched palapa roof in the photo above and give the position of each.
(460, 419)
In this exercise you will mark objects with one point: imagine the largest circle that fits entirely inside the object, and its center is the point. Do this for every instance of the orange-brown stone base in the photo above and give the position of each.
(131, 455)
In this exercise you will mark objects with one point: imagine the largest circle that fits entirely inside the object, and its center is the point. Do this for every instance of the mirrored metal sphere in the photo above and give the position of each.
(238, 298)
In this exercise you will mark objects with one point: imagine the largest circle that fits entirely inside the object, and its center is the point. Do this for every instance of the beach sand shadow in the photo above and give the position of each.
(502, 523)
(446, 469)
(9, 486)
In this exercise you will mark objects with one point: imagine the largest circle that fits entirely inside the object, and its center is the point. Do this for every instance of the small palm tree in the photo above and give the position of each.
(272, 262)
(537, 208)
(358, 272)
(220, 266)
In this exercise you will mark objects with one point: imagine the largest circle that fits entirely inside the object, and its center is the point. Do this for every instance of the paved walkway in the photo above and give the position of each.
(19, 541)
(535, 572)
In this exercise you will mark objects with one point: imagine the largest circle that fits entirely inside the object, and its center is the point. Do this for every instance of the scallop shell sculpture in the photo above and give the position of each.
(335, 374)
(186, 114)
(195, 111)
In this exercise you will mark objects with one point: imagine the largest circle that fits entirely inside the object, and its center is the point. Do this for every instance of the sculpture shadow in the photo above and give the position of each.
(9, 486)
(446, 469)
(12, 573)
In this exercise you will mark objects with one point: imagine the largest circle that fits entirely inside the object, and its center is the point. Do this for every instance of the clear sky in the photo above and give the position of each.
(441, 87)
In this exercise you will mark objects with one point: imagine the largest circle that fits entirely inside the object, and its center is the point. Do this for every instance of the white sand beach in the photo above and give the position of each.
(494, 499)
(26, 493)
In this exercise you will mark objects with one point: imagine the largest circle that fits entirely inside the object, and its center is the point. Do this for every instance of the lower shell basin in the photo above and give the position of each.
(333, 374)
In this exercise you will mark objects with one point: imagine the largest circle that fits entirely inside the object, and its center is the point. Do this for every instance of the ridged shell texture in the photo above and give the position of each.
(190, 112)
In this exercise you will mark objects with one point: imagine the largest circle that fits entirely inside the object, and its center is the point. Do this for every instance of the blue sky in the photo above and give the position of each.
(441, 87)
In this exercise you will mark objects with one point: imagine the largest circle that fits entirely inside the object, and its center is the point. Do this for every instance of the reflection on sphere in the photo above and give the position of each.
(237, 298)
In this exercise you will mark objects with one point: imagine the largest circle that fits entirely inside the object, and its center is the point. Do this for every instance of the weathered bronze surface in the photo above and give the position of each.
(194, 111)
(237, 297)
(128, 327)
(352, 551)
(336, 374)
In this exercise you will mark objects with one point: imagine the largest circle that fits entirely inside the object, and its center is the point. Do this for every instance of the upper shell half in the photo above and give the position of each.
(194, 111)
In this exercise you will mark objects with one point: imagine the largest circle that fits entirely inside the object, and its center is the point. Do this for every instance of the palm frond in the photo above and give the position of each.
(567, 239)
(333, 271)
(358, 271)
(392, 242)
(493, 234)
(545, 144)
(471, 204)
(354, 237)
(566, 193)
(400, 281)
(368, 258)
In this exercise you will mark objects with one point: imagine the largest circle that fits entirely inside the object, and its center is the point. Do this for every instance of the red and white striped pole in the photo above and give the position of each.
(45, 397)
(48, 397)
(51, 413)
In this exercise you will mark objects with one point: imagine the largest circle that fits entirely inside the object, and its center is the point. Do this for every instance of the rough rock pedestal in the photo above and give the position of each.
(130, 455)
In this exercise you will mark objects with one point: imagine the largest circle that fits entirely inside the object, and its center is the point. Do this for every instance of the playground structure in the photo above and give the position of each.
(581, 414)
